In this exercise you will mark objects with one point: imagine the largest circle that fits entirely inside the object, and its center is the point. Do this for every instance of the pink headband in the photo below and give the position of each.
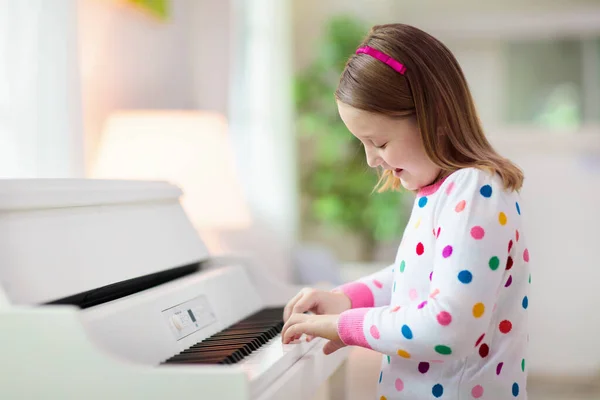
(383, 58)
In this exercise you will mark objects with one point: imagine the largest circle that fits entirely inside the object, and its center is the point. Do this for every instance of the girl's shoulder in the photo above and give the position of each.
(473, 179)
(463, 179)
(469, 185)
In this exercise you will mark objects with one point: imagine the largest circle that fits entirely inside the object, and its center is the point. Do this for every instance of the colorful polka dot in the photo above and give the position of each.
(509, 263)
(402, 266)
(505, 326)
(444, 350)
(449, 188)
(403, 354)
(423, 304)
(518, 208)
(380, 376)
(517, 235)
(434, 293)
(399, 385)
(396, 308)
(407, 332)
(477, 232)
(389, 359)
(515, 389)
(413, 294)
(420, 249)
(465, 276)
(494, 263)
(437, 235)
(418, 223)
(510, 244)
(508, 281)
(529, 278)
(502, 219)
(447, 252)
(499, 368)
(444, 318)
(486, 191)
(431, 275)
(477, 391)
(394, 286)
(484, 350)
(374, 332)
(479, 340)
(526, 255)
(423, 201)
(523, 365)
(377, 283)
(437, 390)
(460, 206)
(478, 310)
(383, 398)
(423, 367)
(525, 302)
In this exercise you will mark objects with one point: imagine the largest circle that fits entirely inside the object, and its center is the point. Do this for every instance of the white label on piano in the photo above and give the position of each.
(186, 318)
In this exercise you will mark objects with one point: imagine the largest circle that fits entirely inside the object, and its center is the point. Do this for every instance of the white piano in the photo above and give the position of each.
(107, 292)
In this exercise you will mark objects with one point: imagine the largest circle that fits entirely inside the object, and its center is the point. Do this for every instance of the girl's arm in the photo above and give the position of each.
(471, 253)
(370, 291)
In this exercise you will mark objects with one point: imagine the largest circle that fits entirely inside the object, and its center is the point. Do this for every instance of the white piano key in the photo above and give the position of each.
(273, 359)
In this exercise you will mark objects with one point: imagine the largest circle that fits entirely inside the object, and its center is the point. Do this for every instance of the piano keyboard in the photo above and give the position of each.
(235, 343)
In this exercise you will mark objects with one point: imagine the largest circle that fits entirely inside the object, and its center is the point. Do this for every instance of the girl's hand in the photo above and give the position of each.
(318, 302)
(324, 326)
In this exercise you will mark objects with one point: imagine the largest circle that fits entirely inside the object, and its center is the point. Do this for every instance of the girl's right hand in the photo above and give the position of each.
(318, 302)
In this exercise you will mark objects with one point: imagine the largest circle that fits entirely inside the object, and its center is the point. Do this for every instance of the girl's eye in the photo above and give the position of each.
(382, 146)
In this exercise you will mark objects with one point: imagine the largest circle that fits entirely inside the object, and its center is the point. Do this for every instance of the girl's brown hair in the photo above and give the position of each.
(433, 90)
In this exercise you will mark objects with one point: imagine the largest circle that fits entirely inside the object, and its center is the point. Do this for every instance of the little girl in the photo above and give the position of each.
(450, 315)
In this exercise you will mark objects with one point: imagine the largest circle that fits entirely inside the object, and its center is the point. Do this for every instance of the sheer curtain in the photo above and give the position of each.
(261, 123)
(41, 134)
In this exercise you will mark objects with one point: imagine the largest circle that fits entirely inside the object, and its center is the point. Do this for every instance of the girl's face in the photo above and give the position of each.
(391, 143)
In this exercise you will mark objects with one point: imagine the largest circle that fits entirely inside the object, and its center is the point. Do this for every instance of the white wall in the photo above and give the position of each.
(227, 56)
(129, 59)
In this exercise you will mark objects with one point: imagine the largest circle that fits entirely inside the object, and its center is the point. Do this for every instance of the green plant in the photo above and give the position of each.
(158, 8)
(335, 181)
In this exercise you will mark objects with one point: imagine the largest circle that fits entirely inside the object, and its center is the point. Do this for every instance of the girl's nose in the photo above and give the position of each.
(373, 160)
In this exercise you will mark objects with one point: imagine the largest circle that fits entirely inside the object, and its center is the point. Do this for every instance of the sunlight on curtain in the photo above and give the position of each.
(261, 113)
(40, 109)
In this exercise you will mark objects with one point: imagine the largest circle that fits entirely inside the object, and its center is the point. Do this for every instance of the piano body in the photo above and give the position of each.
(109, 293)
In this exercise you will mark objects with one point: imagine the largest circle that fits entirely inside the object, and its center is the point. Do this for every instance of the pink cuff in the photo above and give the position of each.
(350, 327)
(360, 295)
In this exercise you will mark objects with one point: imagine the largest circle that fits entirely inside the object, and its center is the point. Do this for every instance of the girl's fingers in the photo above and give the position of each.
(287, 311)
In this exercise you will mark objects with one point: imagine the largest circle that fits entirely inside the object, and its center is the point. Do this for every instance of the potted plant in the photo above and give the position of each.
(336, 185)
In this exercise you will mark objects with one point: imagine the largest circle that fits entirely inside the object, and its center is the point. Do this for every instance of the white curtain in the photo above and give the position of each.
(41, 134)
(261, 120)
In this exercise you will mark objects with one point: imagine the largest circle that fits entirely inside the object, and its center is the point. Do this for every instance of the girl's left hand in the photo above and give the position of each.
(324, 326)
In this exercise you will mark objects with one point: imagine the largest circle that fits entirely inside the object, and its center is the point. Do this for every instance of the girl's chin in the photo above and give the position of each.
(408, 184)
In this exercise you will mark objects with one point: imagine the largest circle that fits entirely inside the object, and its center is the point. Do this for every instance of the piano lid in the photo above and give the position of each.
(21, 194)
(62, 237)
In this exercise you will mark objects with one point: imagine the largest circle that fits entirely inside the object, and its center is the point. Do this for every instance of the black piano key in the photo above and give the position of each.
(215, 349)
(212, 355)
(252, 344)
(236, 342)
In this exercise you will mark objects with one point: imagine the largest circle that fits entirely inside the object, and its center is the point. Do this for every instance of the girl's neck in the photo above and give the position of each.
(433, 187)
